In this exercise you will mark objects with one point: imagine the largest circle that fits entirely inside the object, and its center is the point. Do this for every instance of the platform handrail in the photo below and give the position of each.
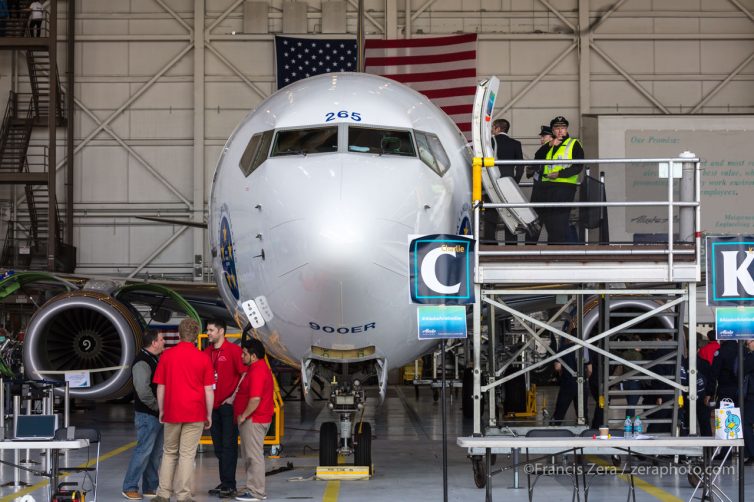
(691, 230)
(654, 160)
(587, 252)
(637, 203)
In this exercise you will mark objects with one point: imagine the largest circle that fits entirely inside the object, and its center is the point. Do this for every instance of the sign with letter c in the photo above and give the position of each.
(441, 269)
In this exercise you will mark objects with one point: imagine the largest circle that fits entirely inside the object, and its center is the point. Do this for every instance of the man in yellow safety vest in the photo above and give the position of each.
(559, 180)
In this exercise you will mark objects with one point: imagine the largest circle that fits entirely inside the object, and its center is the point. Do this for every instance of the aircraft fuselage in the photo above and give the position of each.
(313, 201)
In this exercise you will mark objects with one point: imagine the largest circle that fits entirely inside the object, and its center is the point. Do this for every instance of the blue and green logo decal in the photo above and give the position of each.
(227, 254)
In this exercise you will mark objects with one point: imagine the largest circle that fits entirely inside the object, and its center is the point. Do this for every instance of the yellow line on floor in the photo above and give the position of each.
(639, 483)
(90, 463)
(332, 490)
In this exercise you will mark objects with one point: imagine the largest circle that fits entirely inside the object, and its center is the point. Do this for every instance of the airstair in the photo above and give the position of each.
(659, 341)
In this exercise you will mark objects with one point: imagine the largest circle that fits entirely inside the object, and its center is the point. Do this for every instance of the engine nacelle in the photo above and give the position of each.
(661, 320)
(84, 330)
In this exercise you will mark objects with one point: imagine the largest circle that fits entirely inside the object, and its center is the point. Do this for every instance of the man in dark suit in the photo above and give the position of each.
(507, 148)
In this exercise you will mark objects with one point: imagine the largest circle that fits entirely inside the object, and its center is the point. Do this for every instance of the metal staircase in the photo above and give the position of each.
(25, 163)
(658, 341)
(15, 135)
(38, 64)
(25, 245)
(17, 21)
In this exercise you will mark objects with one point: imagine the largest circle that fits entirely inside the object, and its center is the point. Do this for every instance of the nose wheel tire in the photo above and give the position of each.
(328, 444)
(363, 446)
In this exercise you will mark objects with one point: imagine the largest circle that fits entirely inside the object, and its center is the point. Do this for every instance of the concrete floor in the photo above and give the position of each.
(407, 454)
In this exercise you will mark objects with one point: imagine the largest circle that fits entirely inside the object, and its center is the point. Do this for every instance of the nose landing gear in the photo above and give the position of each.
(354, 439)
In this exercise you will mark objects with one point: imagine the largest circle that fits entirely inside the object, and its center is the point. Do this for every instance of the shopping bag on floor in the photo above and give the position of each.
(728, 421)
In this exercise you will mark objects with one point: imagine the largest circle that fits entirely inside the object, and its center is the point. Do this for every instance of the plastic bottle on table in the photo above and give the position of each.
(637, 426)
(627, 428)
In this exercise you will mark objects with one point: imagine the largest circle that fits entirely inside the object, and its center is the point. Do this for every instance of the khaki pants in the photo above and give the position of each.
(179, 452)
(252, 446)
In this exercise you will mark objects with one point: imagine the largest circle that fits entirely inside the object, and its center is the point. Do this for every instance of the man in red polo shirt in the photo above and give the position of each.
(253, 409)
(184, 381)
(228, 369)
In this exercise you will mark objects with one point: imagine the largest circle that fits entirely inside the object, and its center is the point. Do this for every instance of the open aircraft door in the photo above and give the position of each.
(499, 190)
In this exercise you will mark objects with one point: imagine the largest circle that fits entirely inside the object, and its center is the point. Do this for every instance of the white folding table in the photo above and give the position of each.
(53, 448)
(660, 445)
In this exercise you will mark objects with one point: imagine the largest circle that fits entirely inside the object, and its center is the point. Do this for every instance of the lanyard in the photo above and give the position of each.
(215, 357)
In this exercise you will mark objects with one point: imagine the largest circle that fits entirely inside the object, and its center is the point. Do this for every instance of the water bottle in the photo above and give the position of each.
(627, 428)
(637, 426)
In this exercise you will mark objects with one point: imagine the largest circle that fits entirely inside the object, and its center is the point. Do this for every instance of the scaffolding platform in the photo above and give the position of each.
(576, 264)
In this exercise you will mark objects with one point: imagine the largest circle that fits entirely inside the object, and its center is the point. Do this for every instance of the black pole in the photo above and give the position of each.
(444, 427)
(71, 84)
(740, 404)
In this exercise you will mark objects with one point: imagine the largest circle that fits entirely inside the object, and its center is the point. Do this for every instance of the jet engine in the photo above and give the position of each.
(628, 305)
(84, 330)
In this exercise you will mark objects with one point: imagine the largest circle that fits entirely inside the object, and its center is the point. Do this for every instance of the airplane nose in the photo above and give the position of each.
(339, 241)
(349, 216)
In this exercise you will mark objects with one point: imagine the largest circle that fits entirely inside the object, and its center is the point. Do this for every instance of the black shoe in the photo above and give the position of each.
(227, 493)
(749, 461)
(216, 490)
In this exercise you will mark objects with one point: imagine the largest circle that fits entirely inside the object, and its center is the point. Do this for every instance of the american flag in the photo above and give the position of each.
(298, 58)
(441, 68)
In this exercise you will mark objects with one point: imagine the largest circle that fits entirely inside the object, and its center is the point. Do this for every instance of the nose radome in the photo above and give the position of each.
(340, 241)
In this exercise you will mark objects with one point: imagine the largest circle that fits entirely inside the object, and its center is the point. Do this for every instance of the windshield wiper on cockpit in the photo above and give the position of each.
(299, 151)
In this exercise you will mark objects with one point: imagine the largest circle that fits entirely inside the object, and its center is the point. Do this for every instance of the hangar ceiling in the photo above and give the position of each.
(160, 85)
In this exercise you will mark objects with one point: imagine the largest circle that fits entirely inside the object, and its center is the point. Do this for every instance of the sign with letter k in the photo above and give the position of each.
(730, 270)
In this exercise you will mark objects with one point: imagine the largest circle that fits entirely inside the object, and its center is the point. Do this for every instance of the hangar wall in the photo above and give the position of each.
(727, 183)
(160, 85)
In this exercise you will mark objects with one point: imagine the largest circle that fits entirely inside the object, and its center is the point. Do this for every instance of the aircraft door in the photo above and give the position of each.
(499, 190)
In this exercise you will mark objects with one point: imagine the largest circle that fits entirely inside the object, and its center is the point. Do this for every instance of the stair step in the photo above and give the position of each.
(640, 392)
(669, 344)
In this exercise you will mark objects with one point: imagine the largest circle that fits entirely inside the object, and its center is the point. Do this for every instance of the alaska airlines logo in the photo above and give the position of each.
(464, 220)
(730, 270)
(227, 254)
(465, 227)
(440, 267)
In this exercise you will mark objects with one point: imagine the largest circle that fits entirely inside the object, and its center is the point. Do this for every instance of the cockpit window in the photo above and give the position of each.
(380, 141)
(431, 152)
(256, 152)
(441, 157)
(306, 141)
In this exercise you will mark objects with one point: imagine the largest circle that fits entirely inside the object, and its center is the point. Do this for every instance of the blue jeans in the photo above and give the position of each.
(147, 456)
